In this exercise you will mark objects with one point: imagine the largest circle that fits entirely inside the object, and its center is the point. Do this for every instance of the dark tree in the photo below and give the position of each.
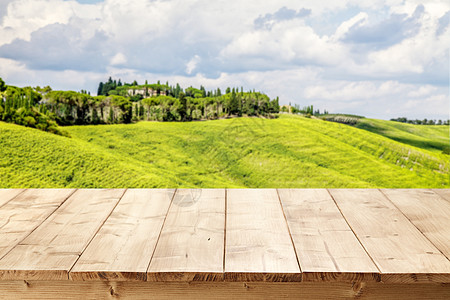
(183, 108)
(202, 89)
(2, 85)
(234, 105)
(141, 110)
(111, 115)
(100, 89)
(178, 90)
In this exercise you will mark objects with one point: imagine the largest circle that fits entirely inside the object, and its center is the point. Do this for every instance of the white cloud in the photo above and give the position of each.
(380, 99)
(18, 74)
(219, 43)
(359, 20)
(26, 16)
(118, 59)
(192, 64)
(422, 91)
(285, 45)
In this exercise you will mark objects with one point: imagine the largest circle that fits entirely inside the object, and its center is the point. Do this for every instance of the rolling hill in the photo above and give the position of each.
(434, 138)
(290, 151)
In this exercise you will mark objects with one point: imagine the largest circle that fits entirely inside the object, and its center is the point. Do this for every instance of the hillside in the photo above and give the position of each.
(289, 151)
(434, 138)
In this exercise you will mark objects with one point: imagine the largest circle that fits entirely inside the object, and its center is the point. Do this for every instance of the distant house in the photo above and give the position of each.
(146, 92)
(286, 108)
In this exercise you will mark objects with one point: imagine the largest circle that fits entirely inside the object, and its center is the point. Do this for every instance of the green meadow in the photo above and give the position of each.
(434, 138)
(289, 151)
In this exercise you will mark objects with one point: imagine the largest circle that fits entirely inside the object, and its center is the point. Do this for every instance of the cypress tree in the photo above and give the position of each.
(234, 105)
(111, 114)
(141, 110)
(183, 108)
(2, 85)
(95, 119)
(202, 89)
(100, 89)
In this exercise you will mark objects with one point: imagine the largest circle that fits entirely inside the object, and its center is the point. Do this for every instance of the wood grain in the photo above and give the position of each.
(401, 252)
(429, 212)
(191, 244)
(218, 290)
(50, 251)
(20, 216)
(444, 193)
(258, 244)
(327, 248)
(123, 247)
(7, 194)
(44, 232)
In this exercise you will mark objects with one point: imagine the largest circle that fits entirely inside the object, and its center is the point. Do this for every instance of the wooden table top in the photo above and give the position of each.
(243, 235)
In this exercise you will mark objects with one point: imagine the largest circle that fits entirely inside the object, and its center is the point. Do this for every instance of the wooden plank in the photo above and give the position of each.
(191, 245)
(397, 247)
(327, 248)
(429, 212)
(123, 247)
(20, 216)
(258, 244)
(444, 193)
(50, 251)
(8, 194)
(218, 290)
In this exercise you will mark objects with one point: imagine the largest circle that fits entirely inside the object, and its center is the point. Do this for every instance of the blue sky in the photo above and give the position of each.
(378, 58)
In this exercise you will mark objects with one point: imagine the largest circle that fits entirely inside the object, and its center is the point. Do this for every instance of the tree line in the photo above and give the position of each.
(306, 111)
(44, 108)
(23, 106)
(421, 122)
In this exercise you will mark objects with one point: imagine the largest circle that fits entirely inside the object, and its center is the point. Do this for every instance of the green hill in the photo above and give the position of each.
(286, 152)
(434, 138)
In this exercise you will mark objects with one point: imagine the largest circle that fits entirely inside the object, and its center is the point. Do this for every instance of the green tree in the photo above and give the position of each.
(178, 90)
(202, 89)
(234, 105)
(111, 115)
(141, 111)
(95, 117)
(183, 109)
(2, 85)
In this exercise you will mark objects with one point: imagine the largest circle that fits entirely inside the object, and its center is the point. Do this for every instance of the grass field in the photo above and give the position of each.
(434, 138)
(286, 152)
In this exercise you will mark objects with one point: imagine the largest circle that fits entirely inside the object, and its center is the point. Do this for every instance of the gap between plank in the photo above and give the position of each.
(357, 237)
(160, 232)
(398, 208)
(45, 219)
(225, 233)
(93, 236)
(14, 198)
(290, 235)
